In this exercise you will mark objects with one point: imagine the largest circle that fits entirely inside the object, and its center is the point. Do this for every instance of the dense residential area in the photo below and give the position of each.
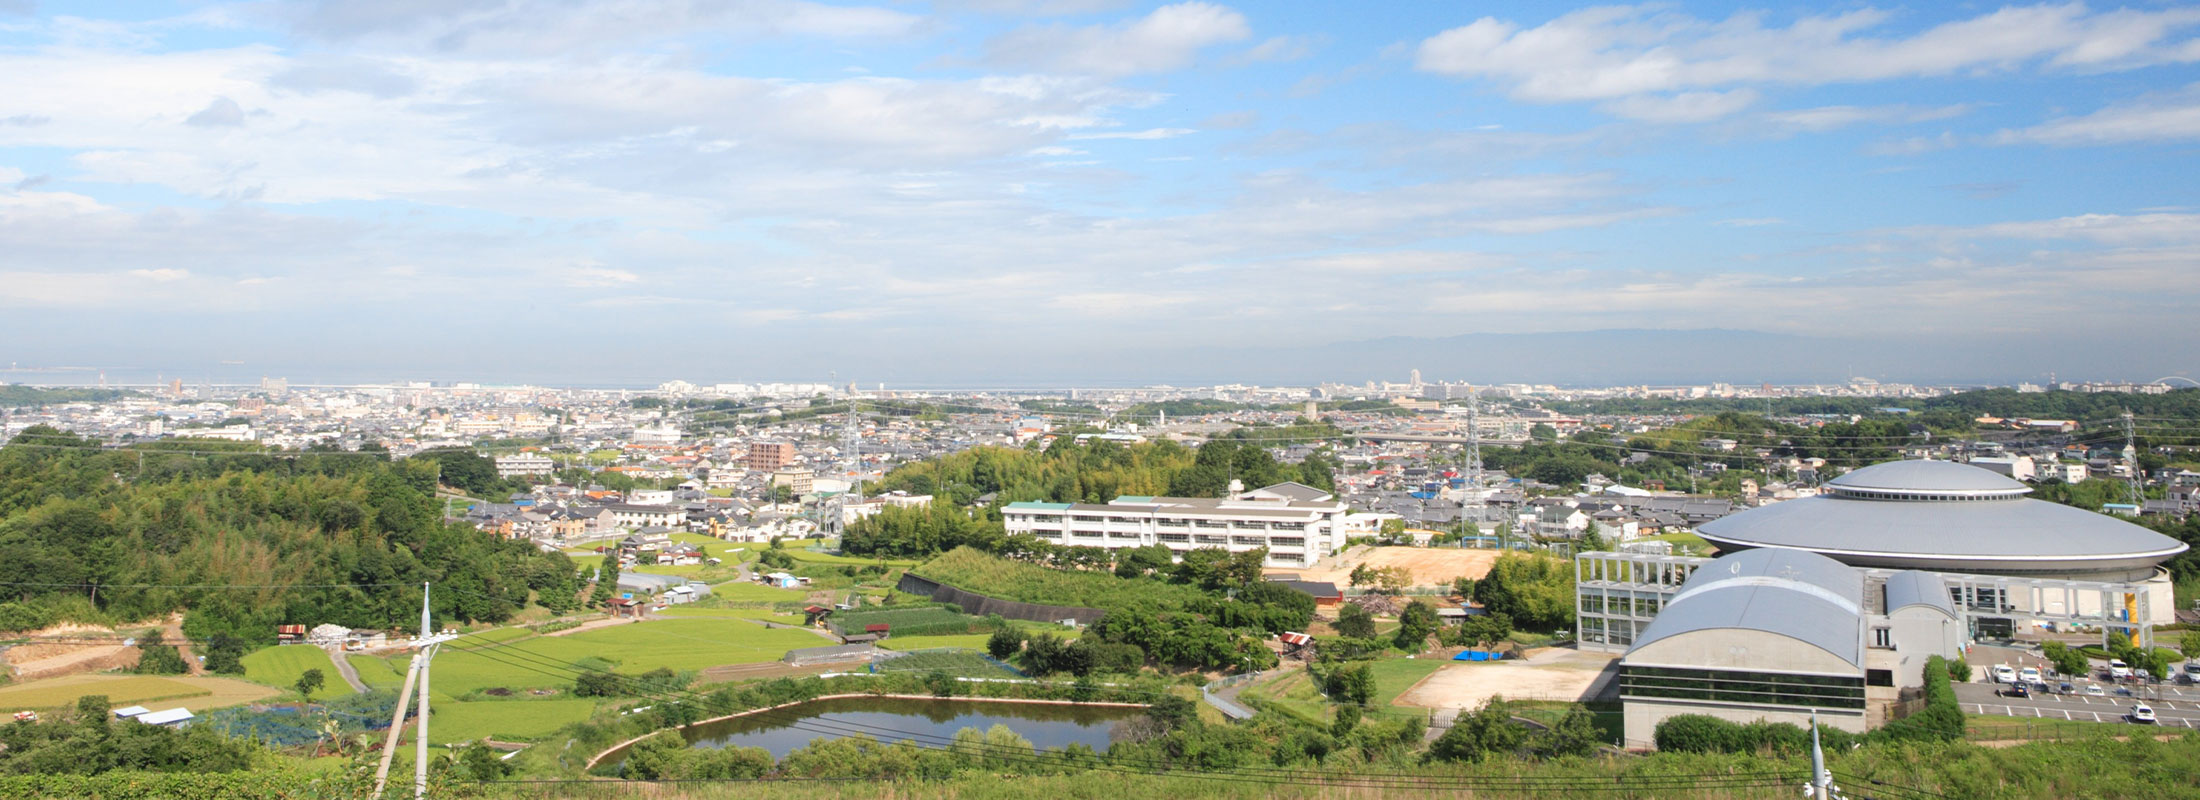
(1427, 576)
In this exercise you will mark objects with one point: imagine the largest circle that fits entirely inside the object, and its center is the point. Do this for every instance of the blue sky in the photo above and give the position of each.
(597, 191)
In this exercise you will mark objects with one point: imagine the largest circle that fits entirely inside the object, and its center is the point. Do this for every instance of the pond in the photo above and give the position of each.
(928, 722)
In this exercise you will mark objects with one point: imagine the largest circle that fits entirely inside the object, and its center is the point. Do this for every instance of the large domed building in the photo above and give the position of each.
(1948, 517)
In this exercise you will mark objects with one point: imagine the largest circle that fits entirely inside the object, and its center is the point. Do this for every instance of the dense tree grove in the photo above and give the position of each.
(1532, 590)
(306, 538)
(92, 741)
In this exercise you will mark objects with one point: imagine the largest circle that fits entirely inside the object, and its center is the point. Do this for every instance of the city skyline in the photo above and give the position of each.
(1050, 193)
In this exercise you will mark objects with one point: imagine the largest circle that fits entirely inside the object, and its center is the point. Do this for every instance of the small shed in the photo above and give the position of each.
(879, 629)
(128, 712)
(174, 717)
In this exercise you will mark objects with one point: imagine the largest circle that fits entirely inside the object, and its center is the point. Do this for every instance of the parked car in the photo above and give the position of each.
(2192, 668)
(2142, 714)
(2094, 690)
(2118, 669)
(2065, 688)
(2029, 674)
(2018, 689)
(2003, 673)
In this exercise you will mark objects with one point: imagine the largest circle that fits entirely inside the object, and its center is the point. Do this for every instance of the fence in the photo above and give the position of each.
(981, 605)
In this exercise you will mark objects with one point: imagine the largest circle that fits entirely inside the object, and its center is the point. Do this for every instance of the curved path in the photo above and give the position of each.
(343, 668)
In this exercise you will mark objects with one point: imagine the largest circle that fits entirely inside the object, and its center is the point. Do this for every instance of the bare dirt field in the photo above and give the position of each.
(1551, 673)
(1430, 566)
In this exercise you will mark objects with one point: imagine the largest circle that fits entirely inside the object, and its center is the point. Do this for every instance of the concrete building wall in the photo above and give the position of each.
(1642, 717)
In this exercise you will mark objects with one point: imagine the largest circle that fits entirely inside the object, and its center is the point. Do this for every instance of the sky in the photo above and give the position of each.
(1094, 191)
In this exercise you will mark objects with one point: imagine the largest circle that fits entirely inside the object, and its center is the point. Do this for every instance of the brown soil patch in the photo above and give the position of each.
(733, 673)
(593, 624)
(1546, 674)
(1429, 566)
(52, 660)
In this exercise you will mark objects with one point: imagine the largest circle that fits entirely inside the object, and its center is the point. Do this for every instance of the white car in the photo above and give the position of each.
(2094, 690)
(2118, 669)
(2142, 714)
(2029, 674)
(2003, 673)
(2193, 668)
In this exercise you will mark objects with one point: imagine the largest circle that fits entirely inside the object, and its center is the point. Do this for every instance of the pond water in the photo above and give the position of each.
(928, 722)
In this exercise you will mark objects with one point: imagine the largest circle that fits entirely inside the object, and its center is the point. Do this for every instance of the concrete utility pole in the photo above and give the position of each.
(429, 642)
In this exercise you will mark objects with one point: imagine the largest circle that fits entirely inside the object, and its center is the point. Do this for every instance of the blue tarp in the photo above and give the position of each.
(1478, 655)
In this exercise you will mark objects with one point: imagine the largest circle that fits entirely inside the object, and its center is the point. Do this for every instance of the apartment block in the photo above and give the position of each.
(1298, 524)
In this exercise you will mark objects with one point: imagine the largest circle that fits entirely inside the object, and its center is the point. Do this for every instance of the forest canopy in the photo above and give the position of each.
(245, 542)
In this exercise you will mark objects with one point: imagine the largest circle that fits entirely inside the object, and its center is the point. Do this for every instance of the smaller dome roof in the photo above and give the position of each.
(1930, 476)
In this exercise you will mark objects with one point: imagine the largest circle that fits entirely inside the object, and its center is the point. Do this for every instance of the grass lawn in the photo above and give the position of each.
(280, 667)
(504, 720)
(120, 691)
(750, 591)
(816, 557)
(378, 673)
(973, 641)
(677, 643)
(732, 612)
(1395, 676)
(1991, 727)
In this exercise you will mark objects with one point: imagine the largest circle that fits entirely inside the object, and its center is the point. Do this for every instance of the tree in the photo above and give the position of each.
(225, 654)
(1415, 623)
(1354, 621)
(1486, 630)
(1348, 717)
(1592, 539)
(309, 682)
(1004, 643)
(2189, 643)
(595, 683)
(1574, 735)
(1354, 684)
(1536, 590)
(1473, 737)
(1361, 575)
(2067, 661)
(156, 658)
(607, 582)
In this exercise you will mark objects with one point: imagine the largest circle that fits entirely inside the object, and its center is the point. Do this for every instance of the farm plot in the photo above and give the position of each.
(280, 667)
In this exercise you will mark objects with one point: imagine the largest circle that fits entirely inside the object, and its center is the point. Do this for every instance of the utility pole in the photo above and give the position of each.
(429, 642)
(2131, 461)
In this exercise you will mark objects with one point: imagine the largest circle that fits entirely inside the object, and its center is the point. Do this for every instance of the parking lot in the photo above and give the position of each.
(2174, 706)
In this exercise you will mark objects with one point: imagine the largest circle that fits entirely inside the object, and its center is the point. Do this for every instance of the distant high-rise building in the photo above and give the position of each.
(1416, 379)
(275, 387)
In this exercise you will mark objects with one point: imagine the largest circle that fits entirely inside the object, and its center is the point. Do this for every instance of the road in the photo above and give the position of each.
(2175, 706)
(343, 669)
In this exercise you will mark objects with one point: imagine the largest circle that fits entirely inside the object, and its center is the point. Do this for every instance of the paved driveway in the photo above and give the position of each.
(2175, 706)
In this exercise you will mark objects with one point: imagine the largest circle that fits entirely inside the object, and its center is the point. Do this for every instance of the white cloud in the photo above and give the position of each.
(565, 27)
(1165, 40)
(1277, 49)
(1682, 107)
(1624, 53)
(2173, 117)
(1149, 133)
(161, 275)
(1825, 118)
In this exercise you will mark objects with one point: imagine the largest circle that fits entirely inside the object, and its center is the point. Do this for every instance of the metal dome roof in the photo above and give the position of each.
(2015, 534)
(1793, 593)
(1944, 477)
